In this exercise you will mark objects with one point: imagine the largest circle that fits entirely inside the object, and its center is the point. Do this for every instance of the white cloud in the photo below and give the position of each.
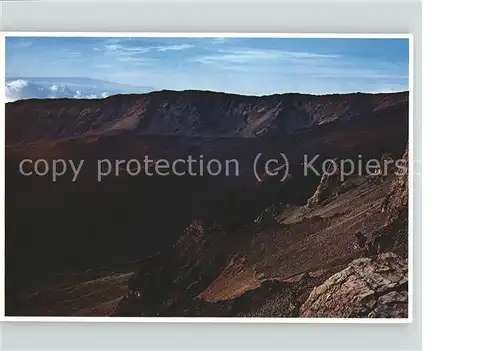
(104, 65)
(121, 49)
(219, 40)
(23, 43)
(49, 88)
(17, 84)
(21, 88)
(117, 52)
(128, 59)
(178, 47)
(300, 64)
(112, 47)
(125, 50)
(138, 55)
(255, 55)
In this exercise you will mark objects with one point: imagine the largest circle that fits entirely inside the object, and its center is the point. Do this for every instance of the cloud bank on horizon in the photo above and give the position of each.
(94, 67)
(65, 87)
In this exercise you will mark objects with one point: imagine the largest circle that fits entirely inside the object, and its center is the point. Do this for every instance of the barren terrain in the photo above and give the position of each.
(206, 246)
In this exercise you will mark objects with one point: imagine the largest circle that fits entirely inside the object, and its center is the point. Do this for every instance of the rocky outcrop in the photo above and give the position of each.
(374, 287)
(375, 243)
(328, 181)
(395, 204)
(269, 216)
(395, 207)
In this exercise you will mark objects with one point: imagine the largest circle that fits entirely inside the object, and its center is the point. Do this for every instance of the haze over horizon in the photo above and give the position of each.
(248, 66)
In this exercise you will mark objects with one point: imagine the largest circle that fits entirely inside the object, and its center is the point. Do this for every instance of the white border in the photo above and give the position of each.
(411, 305)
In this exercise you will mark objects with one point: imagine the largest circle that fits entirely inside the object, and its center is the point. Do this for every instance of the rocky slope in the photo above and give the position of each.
(375, 287)
(321, 278)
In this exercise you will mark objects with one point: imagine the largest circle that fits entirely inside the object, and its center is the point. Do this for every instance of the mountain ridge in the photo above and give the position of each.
(189, 113)
(153, 91)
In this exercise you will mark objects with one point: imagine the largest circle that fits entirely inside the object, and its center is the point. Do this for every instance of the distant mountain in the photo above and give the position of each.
(193, 113)
(20, 88)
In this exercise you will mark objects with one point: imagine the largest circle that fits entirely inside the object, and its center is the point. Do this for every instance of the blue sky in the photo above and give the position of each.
(254, 66)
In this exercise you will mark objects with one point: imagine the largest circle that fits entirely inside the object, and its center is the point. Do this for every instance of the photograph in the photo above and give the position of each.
(235, 177)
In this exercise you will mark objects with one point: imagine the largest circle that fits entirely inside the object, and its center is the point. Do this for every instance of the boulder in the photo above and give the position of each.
(373, 287)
